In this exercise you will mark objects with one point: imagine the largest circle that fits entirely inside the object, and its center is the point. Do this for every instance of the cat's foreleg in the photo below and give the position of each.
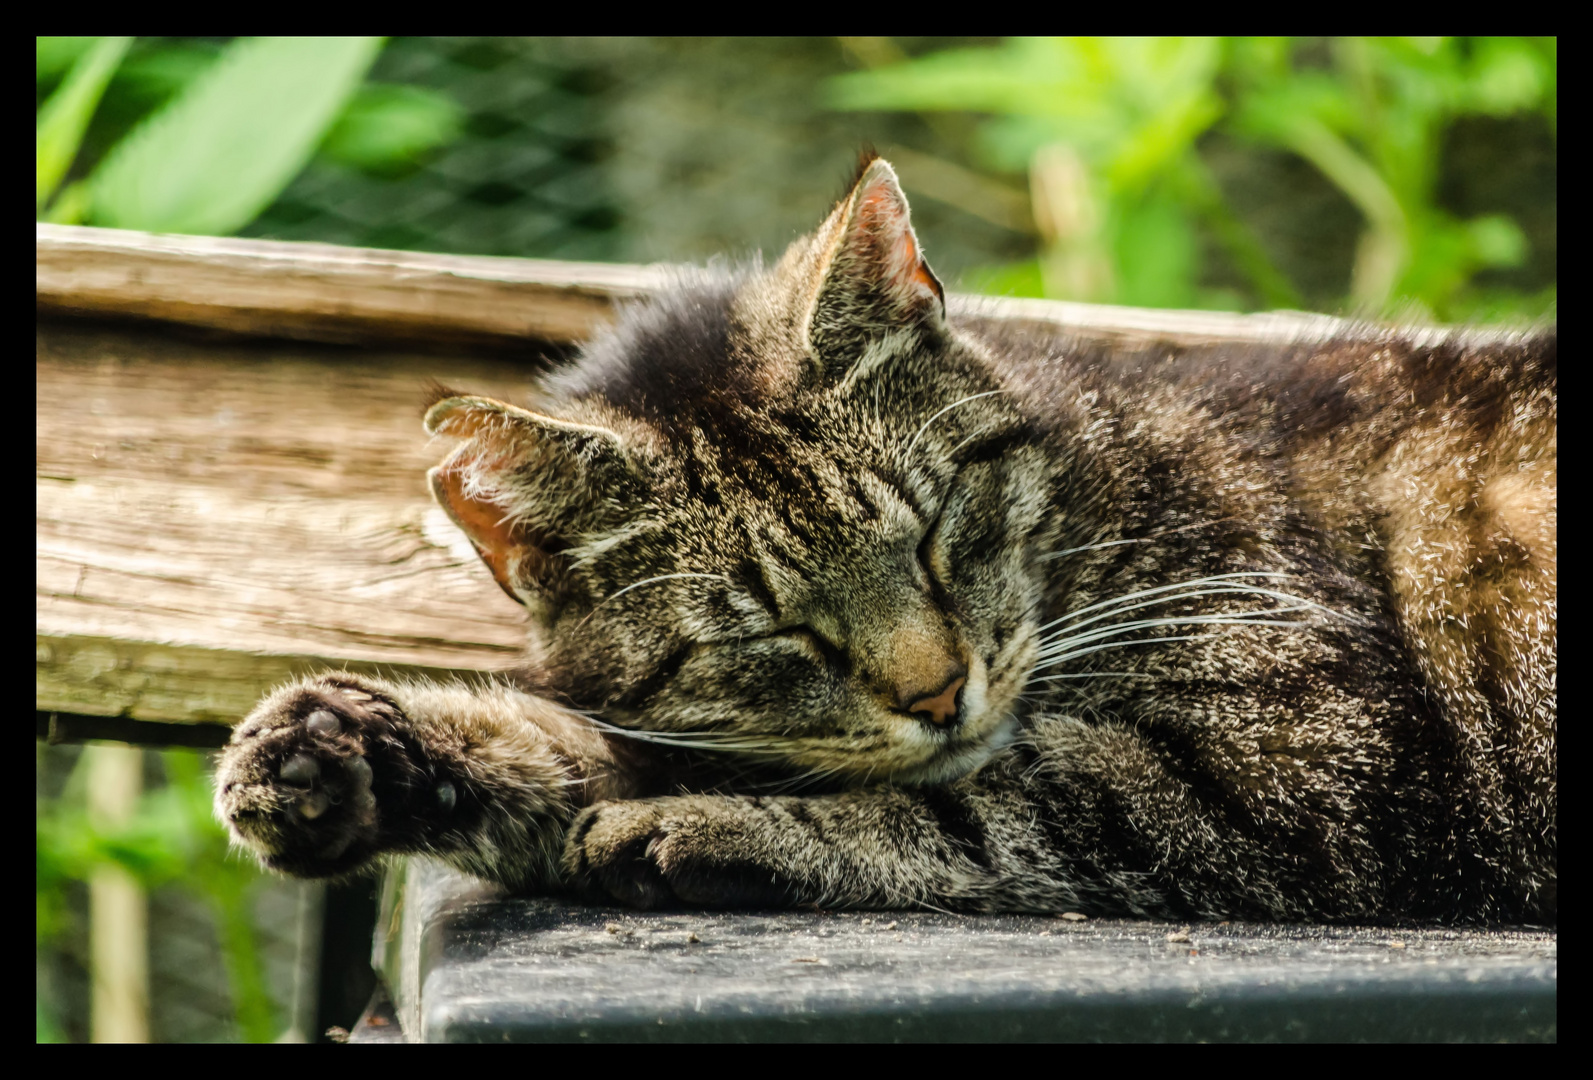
(333, 770)
(873, 848)
(1087, 818)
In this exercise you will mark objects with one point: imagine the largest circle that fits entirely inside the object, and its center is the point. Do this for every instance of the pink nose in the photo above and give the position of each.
(942, 708)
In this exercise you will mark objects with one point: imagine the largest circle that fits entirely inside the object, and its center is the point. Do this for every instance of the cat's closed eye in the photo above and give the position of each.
(818, 647)
(928, 550)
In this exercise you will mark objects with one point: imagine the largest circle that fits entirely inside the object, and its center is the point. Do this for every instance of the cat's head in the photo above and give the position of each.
(788, 513)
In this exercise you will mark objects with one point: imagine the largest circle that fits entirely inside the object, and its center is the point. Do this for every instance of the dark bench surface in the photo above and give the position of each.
(465, 964)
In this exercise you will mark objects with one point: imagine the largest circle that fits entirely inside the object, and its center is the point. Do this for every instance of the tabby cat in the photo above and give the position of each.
(837, 601)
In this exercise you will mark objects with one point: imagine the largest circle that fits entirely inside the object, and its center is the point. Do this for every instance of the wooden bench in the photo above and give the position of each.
(464, 964)
(230, 490)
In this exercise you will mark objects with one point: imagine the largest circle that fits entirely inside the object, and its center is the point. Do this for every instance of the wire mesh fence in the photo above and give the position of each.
(190, 985)
(637, 150)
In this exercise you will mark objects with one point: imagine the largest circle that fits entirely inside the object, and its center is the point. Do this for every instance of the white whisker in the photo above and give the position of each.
(662, 577)
(971, 437)
(1092, 547)
(1093, 675)
(1302, 605)
(1162, 589)
(1139, 540)
(696, 740)
(1061, 658)
(1064, 641)
(925, 425)
(1059, 644)
(1112, 645)
(649, 581)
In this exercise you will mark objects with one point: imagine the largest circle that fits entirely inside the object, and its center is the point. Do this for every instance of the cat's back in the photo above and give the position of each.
(1457, 466)
(1422, 463)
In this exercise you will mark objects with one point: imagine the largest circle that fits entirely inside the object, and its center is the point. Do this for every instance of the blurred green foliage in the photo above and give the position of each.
(1111, 133)
(173, 838)
(197, 136)
(216, 132)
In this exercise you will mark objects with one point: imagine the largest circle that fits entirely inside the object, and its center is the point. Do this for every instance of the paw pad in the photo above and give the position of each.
(301, 770)
(324, 723)
(359, 771)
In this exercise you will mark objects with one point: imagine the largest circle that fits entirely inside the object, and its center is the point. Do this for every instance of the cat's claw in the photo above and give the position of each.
(296, 784)
(611, 850)
(651, 853)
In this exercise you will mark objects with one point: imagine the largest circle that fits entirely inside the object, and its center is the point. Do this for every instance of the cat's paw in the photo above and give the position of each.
(301, 780)
(652, 853)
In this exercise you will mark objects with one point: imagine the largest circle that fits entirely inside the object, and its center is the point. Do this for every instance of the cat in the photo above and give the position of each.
(837, 601)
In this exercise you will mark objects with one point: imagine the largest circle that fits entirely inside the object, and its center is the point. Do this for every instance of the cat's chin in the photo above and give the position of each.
(991, 725)
(959, 761)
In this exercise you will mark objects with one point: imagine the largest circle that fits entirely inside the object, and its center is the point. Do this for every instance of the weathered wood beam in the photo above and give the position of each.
(214, 518)
(320, 292)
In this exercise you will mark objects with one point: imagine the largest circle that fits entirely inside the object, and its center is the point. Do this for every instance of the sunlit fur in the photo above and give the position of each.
(1263, 631)
(794, 546)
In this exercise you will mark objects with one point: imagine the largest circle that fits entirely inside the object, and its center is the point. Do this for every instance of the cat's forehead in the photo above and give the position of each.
(681, 358)
(723, 351)
(783, 540)
(747, 456)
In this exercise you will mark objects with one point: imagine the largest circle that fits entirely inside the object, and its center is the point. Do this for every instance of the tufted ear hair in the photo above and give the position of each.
(871, 273)
(526, 487)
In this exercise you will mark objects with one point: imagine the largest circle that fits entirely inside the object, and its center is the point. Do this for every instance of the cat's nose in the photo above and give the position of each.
(944, 708)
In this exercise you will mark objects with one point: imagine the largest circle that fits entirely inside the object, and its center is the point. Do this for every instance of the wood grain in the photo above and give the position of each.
(320, 292)
(214, 518)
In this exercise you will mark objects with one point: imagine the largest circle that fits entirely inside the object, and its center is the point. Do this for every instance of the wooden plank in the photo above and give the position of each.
(465, 963)
(214, 518)
(320, 292)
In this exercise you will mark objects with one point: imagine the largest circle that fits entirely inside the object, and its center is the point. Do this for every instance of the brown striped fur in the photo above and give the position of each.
(839, 601)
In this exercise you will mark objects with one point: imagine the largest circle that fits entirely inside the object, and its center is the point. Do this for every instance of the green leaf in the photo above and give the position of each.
(1278, 112)
(1448, 253)
(1202, 194)
(1156, 254)
(52, 56)
(1150, 149)
(65, 117)
(1496, 240)
(1483, 306)
(1023, 75)
(221, 151)
(70, 207)
(44, 1027)
(1369, 113)
(1508, 75)
(157, 73)
(387, 125)
(1013, 279)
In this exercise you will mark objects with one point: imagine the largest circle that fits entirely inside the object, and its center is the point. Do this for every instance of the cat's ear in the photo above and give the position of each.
(523, 487)
(872, 277)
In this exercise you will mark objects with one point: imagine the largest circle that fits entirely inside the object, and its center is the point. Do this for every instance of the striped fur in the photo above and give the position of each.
(1262, 632)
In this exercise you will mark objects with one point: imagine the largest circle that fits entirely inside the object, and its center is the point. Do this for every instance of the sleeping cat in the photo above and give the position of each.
(837, 601)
